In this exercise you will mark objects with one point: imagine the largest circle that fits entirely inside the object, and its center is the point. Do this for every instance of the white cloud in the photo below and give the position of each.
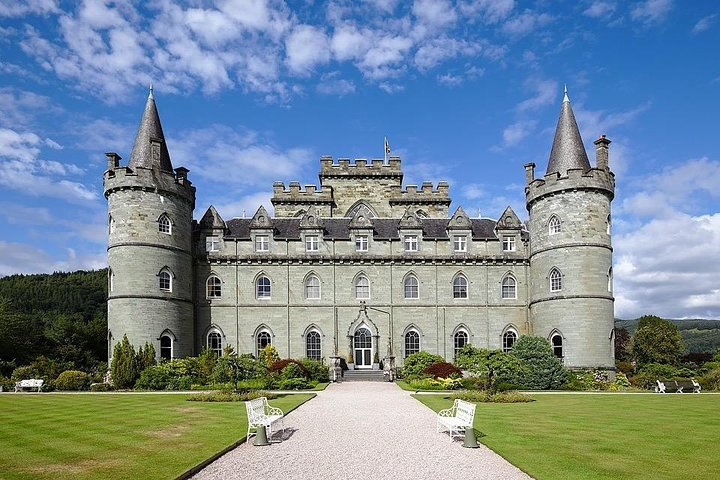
(651, 12)
(491, 11)
(525, 23)
(449, 79)
(389, 87)
(598, 9)
(513, 134)
(704, 24)
(434, 13)
(348, 43)
(330, 84)
(545, 93)
(305, 48)
(20, 107)
(19, 8)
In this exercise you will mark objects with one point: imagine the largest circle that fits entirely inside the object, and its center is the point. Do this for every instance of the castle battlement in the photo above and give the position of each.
(118, 178)
(421, 194)
(575, 179)
(294, 191)
(361, 168)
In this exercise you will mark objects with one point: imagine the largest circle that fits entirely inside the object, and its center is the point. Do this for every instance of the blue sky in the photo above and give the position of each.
(468, 91)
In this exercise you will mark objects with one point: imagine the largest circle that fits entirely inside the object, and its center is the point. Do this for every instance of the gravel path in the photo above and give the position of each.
(361, 430)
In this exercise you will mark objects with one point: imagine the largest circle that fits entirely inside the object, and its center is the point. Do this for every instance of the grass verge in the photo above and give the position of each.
(116, 435)
(602, 436)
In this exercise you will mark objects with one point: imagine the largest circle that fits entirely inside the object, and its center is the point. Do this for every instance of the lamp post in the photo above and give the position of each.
(389, 364)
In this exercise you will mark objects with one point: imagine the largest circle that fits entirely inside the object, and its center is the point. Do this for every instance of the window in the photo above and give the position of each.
(460, 339)
(411, 243)
(164, 224)
(554, 225)
(509, 287)
(111, 280)
(311, 243)
(212, 244)
(557, 345)
(460, 287)
(608, 224)
(263, 287)
(214, 342)
(313, 348)
(166, 347)
(508, 244)
(509, 339)
(312, 288)
(411, 287)
(263, 340)
(165, 281)
(214, 287)
(610, 280)
(262, 243)
(555, 280)
(361, 243)
(111, 224)
(460, 243)
(412, 343)
(362, 287)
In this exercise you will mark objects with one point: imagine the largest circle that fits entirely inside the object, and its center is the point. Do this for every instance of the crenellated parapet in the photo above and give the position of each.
(434, 202)
(288, 202)
(576, 179)
(362, 168)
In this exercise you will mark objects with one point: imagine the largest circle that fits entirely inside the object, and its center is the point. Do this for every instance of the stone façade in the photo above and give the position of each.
(334, 261)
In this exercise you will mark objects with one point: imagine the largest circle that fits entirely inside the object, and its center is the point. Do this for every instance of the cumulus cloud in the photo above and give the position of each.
(651, 12)
(19, 8)
(545, 93)
(525, 23)
(490, 11)
(599, 9)
(331, 84)
(305, 48)
(514, 133)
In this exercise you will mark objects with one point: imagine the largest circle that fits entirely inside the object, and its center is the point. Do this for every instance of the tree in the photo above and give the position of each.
(145, 357)
(124, 365)
(657, 341)
(622, 344)
(545, 371)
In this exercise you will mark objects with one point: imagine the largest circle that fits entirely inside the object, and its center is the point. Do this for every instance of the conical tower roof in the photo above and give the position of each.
(567, 149)
(150, 129)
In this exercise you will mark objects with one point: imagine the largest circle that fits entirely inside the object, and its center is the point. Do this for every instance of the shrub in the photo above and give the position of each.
(178, 374)
(233, 368)
(101, 387)
(545, 371)
(124, 364)
(293, 370)
(711, 380)
(207, 360)
(72, 380)
(625, 367)
(45, 368)
(648, 374)
(295, 383)
(145, 357)
(6, 384)
(447, 383)
(416, 362)
(226, 396)
(485, 397)
(656, 341)
(268, 355)
(442, 370)
(316, 370)
(280, 365)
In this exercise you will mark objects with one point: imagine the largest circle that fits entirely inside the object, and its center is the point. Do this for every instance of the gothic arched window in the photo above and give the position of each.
(509, 287)
(554, 225)
(214, 287)
(412, 342)
(263, 287)
(362, 287)
(313, 346)
(555, 280)
(411, 287)
(165, 280)
(312, 288)
(460, 339)
(509, 339)
(460, 286)
(557, 345)
(214, 342)
(164, 225)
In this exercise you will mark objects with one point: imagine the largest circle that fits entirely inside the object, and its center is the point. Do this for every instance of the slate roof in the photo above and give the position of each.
(383, 228)
(568, 150)
(150, 128)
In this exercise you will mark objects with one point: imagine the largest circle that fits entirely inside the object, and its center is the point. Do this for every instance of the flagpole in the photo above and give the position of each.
(385, 145)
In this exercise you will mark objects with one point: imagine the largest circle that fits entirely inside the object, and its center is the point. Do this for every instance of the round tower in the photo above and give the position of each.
(571, 301)
(150, 208)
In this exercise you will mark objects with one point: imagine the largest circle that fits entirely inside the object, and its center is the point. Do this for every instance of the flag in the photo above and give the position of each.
(387, 147)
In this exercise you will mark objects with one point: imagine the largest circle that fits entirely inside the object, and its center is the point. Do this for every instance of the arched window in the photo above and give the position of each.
(362, 287)
(412, 342)
(509, 339)
(111, 224)
(460, 286)
(263, 287)
(165, 281)
(555, 280)
(263, 340)
(214, 287)
(411, 287)
(509, 287)
(312, 288)
(214, 342)
(460, 339)
(111, 280)
(166, 347)
(557, 345)
(313, 348)
(610, 280)
(164, 225)
(554, 225)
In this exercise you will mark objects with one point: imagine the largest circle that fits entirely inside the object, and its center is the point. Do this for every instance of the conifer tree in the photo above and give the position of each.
(124, 365)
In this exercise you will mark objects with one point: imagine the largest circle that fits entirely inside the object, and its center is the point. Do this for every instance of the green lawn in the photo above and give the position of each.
(603, 436)
(116, 435)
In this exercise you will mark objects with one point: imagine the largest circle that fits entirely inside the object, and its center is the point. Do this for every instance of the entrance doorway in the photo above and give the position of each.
(362, 344)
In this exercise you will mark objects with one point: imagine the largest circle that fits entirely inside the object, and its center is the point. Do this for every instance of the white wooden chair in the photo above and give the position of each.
(259, 413)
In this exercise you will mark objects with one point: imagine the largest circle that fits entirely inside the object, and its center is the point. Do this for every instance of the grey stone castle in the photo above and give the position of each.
(360, 267)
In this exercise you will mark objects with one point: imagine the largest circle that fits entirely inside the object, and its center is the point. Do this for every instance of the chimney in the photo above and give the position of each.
(529, 173)
(113, 160)
(601, 153)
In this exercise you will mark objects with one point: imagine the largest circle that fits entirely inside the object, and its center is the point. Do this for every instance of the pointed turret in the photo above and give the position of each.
(567, 150)
(150, 150)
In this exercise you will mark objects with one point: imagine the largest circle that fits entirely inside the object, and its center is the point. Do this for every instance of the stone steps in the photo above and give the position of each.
(364, 376)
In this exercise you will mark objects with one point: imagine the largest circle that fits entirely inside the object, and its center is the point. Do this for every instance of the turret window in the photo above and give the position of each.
(555, 280)
(509, 339)
(557, 345)
(554, 225)
(610, 280)
(212, 244)
(111, 225)
(166, 347)
(164, 225)
(608, 223)
(509, 287)
(165, 281)
(460, 286)
(263, 287)
(411, 287)
(362, 288)
(312, 288)
(214, 287)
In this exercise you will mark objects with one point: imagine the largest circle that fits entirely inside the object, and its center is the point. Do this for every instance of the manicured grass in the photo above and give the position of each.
(406, 386)
(603, 436)
(108, 436)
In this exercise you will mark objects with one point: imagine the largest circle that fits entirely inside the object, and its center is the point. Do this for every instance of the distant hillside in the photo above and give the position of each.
(699, 335)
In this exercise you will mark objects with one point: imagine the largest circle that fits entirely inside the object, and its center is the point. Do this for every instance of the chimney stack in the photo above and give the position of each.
(601, 153)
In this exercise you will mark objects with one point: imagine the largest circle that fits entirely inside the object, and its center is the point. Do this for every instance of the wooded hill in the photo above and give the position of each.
(699, 335)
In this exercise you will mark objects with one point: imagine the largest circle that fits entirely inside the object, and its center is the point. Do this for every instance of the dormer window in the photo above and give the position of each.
(262, 243)
(312, 243)
(411, 243)
(508, 244)
(164, 225)
(460, 243)
(212, 244)
(361, 243)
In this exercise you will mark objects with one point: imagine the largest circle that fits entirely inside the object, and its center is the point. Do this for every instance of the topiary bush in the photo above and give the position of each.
(414, 364)
(545, 371)
(442, 370)
(72, 380)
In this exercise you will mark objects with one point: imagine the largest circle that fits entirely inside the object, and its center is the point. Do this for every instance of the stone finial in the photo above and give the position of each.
(602, 153)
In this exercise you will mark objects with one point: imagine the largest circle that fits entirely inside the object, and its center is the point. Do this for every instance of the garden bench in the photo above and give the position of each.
(29, 384)
(260, 413)
(681, 386)
(456, 419)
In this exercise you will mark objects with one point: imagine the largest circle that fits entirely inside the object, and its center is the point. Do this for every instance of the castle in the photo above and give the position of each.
(360, 267)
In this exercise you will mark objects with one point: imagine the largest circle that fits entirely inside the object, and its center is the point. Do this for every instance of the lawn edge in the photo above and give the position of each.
(193, 470)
